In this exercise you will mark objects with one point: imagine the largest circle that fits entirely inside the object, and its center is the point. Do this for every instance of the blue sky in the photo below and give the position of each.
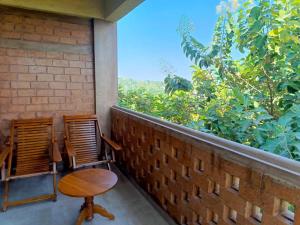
(148, 43)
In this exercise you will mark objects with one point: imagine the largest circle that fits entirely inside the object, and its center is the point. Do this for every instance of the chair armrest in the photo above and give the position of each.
(7, 141)
(3, 155)
(69, 148)
(56, 153)
(111, 143)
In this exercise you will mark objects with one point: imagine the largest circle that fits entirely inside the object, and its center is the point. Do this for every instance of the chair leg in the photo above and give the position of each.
(54, 187)
(5, 197)
(106, 158)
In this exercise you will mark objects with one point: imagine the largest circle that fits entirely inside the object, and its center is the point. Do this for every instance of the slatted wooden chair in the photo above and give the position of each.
(33, 151)
(86, 145)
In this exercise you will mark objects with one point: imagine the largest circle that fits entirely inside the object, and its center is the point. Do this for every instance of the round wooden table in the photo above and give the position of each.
(86, 184)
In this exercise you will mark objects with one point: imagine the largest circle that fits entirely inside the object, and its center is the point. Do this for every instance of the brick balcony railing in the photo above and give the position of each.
(202, 179)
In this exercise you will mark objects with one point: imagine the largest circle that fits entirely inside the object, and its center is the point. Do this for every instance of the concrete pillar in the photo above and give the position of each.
(106, 70)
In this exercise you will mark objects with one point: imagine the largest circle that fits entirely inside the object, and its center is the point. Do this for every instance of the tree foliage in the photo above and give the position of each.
(254, 100)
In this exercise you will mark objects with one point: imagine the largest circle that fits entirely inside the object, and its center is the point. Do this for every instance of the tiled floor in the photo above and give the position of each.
(127, 204)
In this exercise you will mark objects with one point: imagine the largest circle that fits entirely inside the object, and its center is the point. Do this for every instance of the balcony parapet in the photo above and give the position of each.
(199, 178)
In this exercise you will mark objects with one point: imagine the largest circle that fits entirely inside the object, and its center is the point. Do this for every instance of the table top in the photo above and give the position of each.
(87, 182)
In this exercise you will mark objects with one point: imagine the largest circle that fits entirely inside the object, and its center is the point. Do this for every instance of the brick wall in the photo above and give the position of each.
(46, 67)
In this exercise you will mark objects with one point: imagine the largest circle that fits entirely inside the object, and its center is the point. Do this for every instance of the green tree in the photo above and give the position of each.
(254, 100)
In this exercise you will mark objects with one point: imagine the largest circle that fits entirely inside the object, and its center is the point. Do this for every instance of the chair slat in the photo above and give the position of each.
(83, 136)
(33, 138)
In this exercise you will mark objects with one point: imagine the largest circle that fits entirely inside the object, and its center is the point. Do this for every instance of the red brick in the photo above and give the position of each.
(75, 71)
(27, 115)
(76, 86)
(39, 100)
(52, 107)
(52, 23)
(20, 100)
(79, 64)
(86, 57)
(34, 108)
(44, 77)
(8, 117)
(83, 40)
(8, 76)
(55, 55)
(12, 35)
(90, 79)
(41, 107)
(12, 18)
(7, 26)
(69, 41)
(57, 85)
(3, 51)
(77, 93)
(62, 32)
(26, 92)
(79, 78)
(70, 56)
(18, 68)
(4, 84)
(78, 33)
(87, 71)
(39, 85)
(4, 101)
(20, 84)
(26, 77)
(5, 93)
(57, 100)
(37, 69)
(50, 38)
(60, 63)
(34, 21)
(44, 62)
(89, 65)
(36, 54)
(62, 78)
(4, 68)
(73, 26)
(55, 70)
(44, 30)
(16, 52)
(89, 86)
(44, 92)
(6, 60)
(88, 99)
(62, 93)
(24, 61)
(15, 108)
(32, 37)
(24, 28)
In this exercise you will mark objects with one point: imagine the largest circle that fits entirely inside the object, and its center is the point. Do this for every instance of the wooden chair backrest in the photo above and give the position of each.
(83, 132)
(33, 138)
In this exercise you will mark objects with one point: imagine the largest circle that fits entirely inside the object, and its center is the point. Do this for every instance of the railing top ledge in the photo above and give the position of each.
(272, 164)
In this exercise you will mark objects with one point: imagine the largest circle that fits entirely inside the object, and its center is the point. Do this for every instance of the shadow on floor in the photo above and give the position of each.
(127, 204)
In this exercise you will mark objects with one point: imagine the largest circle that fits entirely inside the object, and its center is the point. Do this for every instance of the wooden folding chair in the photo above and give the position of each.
(86, 145)
(33, 151)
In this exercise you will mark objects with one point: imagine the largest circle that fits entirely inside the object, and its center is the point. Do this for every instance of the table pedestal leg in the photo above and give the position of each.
(88, 209)
(103, 212)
